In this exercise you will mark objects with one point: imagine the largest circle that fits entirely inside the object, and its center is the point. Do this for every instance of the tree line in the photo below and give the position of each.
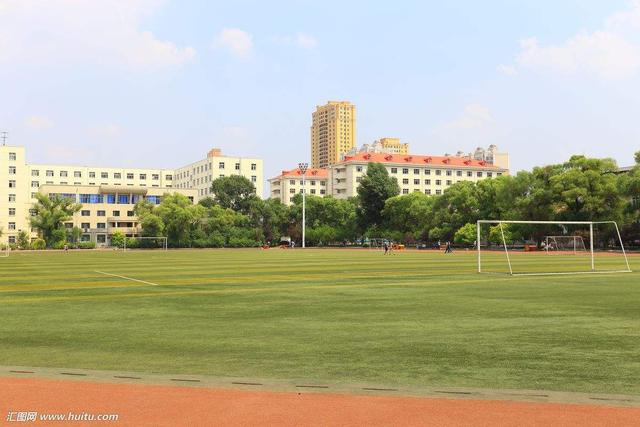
(581, 189)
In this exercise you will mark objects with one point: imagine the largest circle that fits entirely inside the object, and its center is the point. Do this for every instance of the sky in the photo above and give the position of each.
(152, 83)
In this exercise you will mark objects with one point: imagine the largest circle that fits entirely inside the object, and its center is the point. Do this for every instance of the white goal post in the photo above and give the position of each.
(575, 239)
(160, 239)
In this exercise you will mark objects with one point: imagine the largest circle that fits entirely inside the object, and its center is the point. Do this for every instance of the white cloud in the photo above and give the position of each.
(306, 41)
(101, 32)
(612, 52)
(237, 42)
(106, 130)
(507, 70)
(301, 40)
(474, 116)
(39, 122)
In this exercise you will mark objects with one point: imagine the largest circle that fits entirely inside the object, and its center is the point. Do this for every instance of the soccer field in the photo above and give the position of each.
(349, 316)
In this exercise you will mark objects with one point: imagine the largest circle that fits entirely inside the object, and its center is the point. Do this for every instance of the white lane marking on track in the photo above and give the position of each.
(127, 278)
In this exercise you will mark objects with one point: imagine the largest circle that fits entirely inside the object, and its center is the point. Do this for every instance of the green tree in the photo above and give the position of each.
(50, 215)
(180, 217)
(409, 216)
(374, 190)
(23, 239)
(467, 234)
(234, 192)
(117, 239)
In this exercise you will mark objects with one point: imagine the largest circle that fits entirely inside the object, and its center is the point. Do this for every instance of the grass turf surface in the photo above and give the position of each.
(413, 318)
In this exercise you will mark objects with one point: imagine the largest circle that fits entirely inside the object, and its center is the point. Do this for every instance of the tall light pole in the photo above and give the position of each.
(303, 170)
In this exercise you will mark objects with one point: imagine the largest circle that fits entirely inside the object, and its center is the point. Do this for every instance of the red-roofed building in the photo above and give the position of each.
(289, 183)
(426, 174)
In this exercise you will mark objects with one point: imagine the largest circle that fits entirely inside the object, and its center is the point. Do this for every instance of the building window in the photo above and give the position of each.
(427, 191)
(479, 174)
(469, 173)
(438, 172)
(438, 182)
(12, 184)
(394, 170)
(427, 181)
(85, 225)
(237, 166)
(49, 173)
(427, 171)
(101, 213)
(35, 184)
(129, 176)
(169, 177)
(254, 166)
(221, 175)
(12, 156)
(322, 191)
(499, 174)
(438, 192)
(35, 172)
(405, 170)
(117, 175)
(449, 172)
(313, 191)
(63, 174)
(323, 183)
(405, 181)
(313, 183)
(292, 191)
(85, 213)
(116, 213)
(77, 174)
(489, 174)
(358, 179)
(12, 226)
(254, 178)
(130, 213)
(143, 176)
(63, 182)
(358, 168)
(12, 197)
(459, 173)
(416, 171)
(12, 239)
(101, 225)
(405, 191)
(221, 165)
(448, 182)
(12, 170)
(416, 182)
(155, 176)
(12, 211)
(92, 174)
(292, 182)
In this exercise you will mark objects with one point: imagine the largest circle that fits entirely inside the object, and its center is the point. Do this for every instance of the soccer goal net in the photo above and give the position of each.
(145, 242)
(4, 251)
(524, 247)
(377, 243)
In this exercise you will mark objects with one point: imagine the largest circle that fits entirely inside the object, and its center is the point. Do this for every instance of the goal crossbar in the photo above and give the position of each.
(584, 223)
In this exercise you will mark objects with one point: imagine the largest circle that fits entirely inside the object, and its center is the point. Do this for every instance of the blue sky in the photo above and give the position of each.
(157, 83)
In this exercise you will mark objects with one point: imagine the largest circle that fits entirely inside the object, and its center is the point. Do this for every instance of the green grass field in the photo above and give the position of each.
(349, 316)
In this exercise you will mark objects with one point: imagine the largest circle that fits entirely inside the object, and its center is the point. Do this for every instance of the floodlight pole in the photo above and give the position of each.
(303, 170)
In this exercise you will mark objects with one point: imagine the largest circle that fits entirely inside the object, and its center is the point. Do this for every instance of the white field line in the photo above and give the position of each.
(127, 278)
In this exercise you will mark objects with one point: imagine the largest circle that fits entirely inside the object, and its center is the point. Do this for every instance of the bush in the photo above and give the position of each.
(38, 244)
(59, 244)
(242, 242)
(86, 245)
(132, 242)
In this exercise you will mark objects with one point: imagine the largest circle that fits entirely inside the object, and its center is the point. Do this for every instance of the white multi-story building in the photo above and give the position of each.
(426, 174)
(101, 189)
(289, 183)
(199, 175)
